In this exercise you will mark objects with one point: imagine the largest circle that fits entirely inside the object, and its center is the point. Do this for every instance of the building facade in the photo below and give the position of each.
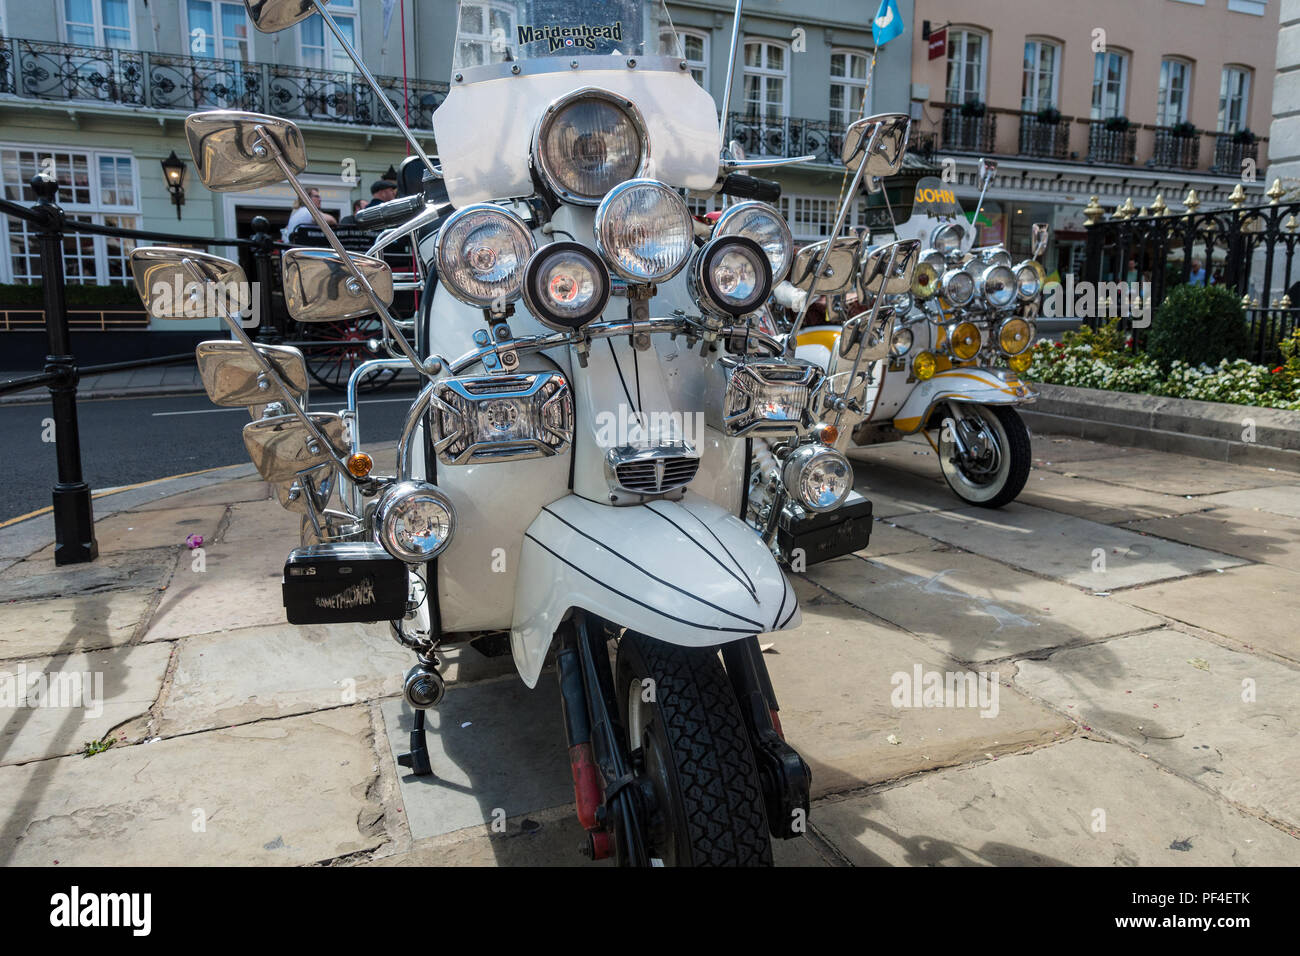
(1112, 98)
(97, 91)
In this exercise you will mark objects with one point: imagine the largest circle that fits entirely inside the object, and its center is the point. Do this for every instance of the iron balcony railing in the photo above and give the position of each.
(1175, 150)
(969, 133)
(1042, 139)
(66, 72)
(1230, 155)
(1113, 147)
(789, 136)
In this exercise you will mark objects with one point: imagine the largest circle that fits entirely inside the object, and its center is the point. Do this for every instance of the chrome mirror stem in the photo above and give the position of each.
(731, 72)
(842, 400)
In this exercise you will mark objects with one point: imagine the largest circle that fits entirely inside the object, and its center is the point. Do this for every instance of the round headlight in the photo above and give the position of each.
(1015, 335)
(958, 286)
(818, 477)
(1020, 363)
(588, 142)
(413, 521)
(924, 365)
(760, 222)
(964, 340)
(730, 275)
(480, 252)
(901, 343)
(947, 238)
(998, 286)
(645, 231)
(926, 277)
(1030, 276)
(993, 256)
(565, 286)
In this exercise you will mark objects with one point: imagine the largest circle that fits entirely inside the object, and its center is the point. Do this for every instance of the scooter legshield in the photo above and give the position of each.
(974, 385)
(686, 572)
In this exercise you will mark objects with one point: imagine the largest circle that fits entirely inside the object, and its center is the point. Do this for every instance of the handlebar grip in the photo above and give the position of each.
(748, 187)
(391, 213)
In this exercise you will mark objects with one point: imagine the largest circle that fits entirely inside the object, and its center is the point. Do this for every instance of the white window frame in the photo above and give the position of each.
(335, 60)
(1098, 112)
(94, 211)
(486, 39)
(217, 40)
(1058, 49)
(964, 95)
(1224, 125)
(766, 72)
(701, 65)
(98, 24)
(850, 83)
(1255, 8)
(2, 18)
(1167, 66)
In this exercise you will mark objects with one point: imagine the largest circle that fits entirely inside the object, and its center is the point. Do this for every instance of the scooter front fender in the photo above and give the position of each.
(685, 572)
(977, 386)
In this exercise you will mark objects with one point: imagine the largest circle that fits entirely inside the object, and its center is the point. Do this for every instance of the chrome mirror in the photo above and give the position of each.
(171, 290)
(889, 131)
(318, 287)
(1039, 234)
(837, 273)
(272, 16)
(887, 269)
(230, 153)
(283, 446)
(310, 489)
(234, 379)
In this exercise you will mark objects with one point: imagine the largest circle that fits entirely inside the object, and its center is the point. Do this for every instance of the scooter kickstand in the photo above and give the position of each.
(418, 757)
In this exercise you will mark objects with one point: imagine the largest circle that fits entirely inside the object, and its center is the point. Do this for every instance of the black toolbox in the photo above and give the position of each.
(342, 583)
(821, 536)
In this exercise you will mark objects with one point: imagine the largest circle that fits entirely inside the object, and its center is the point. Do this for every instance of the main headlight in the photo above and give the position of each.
(588, 142)
(817, 477)
(947, 238)
(645, 231)
(958, 286)
(964, 340)
(413, 521)
(480, 252)
(1015, 335)
(730, 275)
(768, 398)
(565, 285)
(503, 417)
(1030, 276)
(998, 286)
(760, 222)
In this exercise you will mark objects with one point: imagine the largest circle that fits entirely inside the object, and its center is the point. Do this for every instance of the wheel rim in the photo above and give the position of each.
(332, 364)
(643, 732)
(983, 479)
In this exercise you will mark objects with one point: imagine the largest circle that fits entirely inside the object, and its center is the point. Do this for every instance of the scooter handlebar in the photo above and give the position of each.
(389, 214)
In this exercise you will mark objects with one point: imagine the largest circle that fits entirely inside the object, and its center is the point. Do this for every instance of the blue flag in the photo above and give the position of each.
(888, 23)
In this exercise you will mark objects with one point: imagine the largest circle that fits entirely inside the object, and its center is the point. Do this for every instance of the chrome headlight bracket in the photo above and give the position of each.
(503, 417)
(771, 398)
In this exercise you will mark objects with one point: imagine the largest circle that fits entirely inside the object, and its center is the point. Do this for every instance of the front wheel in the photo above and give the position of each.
(681, 714)
(996, 464)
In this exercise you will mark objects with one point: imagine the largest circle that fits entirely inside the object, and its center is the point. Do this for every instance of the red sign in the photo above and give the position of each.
(939, 44)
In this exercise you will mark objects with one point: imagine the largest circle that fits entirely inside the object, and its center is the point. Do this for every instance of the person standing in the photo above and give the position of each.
(301, 215)
(382, 190)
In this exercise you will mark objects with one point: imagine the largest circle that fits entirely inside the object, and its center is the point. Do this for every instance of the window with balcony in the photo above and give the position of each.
(849, 92)
(1175, 90)
(1038, 89)
(217, 28)
(766, 85)
(318, 48)
(486, 29)
(693, 47)
(1234, 99)
(1109, 84)
(98, 23)
(967, 55)
(98, 187)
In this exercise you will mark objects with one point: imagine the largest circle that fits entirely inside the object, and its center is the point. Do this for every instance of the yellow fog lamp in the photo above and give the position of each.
(1020, 363)
(964, 340)
(924, 365)
(1015, 335)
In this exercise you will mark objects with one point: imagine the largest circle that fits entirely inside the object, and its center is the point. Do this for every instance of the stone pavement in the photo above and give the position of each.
(1134, 614)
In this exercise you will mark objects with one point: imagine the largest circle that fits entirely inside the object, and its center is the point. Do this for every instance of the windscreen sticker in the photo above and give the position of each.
(936, 199)
(583, 35)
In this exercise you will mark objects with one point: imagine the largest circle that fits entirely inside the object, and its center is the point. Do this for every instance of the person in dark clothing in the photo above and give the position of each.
(381, 190)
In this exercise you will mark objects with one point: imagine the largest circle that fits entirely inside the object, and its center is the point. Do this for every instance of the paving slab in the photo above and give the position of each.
(1066, 548)
(888, 538)
(836, 678)
(1054, 449)
(1277, 499)
(1098, 501)
(260, 673)
(109, 572)
(229, 492)
(65, 625)
(166, 527)
(893, 492)
(1257, 607)
(75, 699)
(1222, 718)
(1170, 474)
(239, 587)
(1255, 535)
(1042, 809)
(916, 457)
(974, 609)
(282, 792)
(264, 523)
(494, 746)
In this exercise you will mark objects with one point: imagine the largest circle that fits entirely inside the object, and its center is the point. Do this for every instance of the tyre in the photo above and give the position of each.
(344, 347)
(999, 466)
(694, 754)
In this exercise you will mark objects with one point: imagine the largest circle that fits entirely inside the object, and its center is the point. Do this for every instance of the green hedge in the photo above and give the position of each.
(1198, 325)
(77, 296)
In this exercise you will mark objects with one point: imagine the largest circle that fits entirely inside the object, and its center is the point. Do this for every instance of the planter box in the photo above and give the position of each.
(1183, 426)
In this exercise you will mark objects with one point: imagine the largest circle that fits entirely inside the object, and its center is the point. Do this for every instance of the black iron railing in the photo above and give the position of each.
(1175, 150)
(35, 69)
(1230, 155)
(1043, 139)
(1114, 147)
(967, 132)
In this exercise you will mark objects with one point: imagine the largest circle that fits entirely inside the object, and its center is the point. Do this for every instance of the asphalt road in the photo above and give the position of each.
(124, 441)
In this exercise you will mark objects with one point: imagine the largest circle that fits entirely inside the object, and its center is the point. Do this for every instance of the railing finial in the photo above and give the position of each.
(1093, 212)
(1275, 192)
